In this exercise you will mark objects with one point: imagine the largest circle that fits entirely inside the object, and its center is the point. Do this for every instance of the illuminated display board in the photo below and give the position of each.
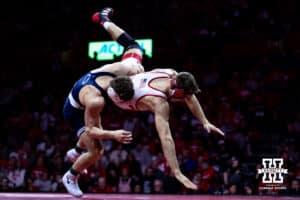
(106, 50)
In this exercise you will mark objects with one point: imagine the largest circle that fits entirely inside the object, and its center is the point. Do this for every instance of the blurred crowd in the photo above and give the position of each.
(245, 55)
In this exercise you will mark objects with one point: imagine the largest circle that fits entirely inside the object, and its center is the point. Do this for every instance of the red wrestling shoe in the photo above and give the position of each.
(102, 16)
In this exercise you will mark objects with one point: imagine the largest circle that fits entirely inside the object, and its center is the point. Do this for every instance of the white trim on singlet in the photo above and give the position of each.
(74, 103)
(80, 131)
(142, 88)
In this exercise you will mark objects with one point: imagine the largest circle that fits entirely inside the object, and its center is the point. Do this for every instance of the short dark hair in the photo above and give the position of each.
(187, 82)
(123, 86)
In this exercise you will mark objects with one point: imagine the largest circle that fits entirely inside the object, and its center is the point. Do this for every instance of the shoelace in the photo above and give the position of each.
(71, 180)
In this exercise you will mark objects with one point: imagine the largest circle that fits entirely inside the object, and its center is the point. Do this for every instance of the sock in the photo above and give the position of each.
(127, 41)
(106, 24)
(78, 149)
(73, 172)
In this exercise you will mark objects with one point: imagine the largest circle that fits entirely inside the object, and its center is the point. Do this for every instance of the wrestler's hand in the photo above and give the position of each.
(210, 127)
(122, 136)
(185, 181)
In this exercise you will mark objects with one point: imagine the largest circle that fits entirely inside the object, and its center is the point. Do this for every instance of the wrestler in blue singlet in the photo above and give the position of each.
(73, 110)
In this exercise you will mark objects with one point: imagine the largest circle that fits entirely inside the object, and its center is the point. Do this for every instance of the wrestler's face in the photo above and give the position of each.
(114, 96)
(180, 98)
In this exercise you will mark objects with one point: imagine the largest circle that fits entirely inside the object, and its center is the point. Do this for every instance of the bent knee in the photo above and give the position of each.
(132, 66)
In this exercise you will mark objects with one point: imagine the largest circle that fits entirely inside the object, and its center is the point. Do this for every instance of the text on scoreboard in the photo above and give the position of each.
(107, 50)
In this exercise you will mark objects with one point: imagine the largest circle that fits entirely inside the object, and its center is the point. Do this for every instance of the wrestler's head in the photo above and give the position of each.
(183, 84)
(123, 87)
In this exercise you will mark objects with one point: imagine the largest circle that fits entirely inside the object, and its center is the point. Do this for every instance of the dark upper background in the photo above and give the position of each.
(43, 37)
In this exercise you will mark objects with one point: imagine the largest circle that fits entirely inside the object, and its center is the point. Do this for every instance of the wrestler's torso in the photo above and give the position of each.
(94, 83)
(148, 86)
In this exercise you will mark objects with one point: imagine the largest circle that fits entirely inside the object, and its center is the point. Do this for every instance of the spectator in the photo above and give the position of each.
(16, 174)
(233, 175)
(232, 190)
(118, 155)
(57, 185)
(137, 188)
(112, 176)
(158, 186)
(40, 167)
(133, 165)
(124, 181)
(148, 180)
(101, 186)
(46, 146)
(207, 182)
(43, 183)
(141, 154)
(4, 184)
(247, 190)
(294, 188)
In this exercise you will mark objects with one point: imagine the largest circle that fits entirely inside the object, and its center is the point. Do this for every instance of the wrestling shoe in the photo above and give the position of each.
(72, 155)
(102, 16)
(71, 184)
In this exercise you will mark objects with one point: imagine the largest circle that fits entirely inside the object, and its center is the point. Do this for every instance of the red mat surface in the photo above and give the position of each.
(49, 196)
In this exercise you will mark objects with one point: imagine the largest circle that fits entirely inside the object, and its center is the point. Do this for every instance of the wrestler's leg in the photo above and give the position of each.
(132, 48)
(94, 151)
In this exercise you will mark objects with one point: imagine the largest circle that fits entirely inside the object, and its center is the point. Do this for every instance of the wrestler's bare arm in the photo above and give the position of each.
(196, 108)
(161, 110)
(93, 106)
